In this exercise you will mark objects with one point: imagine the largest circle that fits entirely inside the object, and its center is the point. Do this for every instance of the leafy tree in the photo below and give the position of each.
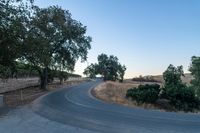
(172, 78)
(172, 75)
(14, 16)
(121, 72)
(102, 65)
(4, 73)
(181, 96)
(55, 39)
(91, 71)
(41, 38)
(195, 71)
(107, 66)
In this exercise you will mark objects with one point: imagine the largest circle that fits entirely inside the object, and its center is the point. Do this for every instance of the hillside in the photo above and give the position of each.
(188, 77)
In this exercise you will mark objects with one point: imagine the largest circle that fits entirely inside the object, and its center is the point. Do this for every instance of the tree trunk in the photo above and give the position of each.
(61, 80)
(43, 78)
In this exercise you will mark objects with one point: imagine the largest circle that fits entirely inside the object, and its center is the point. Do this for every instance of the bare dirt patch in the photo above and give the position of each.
(114, 92)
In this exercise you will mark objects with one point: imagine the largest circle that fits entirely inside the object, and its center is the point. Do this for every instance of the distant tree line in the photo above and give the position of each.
(44, 38)
(107, 66)
(22, 70)
(144, 79)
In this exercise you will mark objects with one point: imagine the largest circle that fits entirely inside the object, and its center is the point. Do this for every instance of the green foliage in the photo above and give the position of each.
(179, 95)
(172, 78)
(5, 72)
(62, 39)
(91, 71)
(25, 70)
(182, 98)
(121, 72)
(55, 40)
(41, 37)
(172, 75)
(195, 71)
(107, 66)
(14, 15)
(144, 79)
(144, 93)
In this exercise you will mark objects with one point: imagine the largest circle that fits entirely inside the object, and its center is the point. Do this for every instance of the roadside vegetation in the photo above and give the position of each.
(174, 92)
(144, 93)
(26, 95)
(23, 70)
(44, 42)
(108, 67)
(47, 42)
(181, 96)
(145, 79)
(115, 92)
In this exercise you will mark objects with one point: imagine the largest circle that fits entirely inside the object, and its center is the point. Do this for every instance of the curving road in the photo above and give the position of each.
(77, 107)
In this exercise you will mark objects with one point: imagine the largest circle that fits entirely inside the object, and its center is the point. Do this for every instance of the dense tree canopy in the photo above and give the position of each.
(55, 40)
(91, 71)
(107, 66)
(172, 75)
(172, 78)
(179, 94)
(195, 71)
(14, 16)
(45, 38)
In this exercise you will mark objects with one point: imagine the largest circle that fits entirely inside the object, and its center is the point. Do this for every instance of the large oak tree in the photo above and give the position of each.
(44, 38)
(55, 40)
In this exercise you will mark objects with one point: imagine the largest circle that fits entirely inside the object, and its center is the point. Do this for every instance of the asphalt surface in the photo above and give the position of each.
(78, 108)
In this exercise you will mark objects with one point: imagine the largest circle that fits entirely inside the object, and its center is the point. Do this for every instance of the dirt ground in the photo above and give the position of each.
(26, 95)
(114, 92)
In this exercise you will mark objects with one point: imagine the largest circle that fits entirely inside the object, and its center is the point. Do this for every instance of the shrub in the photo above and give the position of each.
(182, 97)
(179, 95)
(144, 93)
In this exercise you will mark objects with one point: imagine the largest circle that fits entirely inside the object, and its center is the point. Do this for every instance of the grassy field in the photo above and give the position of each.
(114, 92)
(188, 77)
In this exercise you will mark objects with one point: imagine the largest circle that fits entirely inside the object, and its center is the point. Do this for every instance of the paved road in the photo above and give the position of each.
(78, 108)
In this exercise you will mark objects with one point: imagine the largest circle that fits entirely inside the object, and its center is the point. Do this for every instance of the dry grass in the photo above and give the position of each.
(116, 93)
(23, 96)
(186, 79)
(27, 95)
(113, 92)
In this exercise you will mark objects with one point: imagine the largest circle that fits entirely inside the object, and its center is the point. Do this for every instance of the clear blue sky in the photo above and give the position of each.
(146, 35)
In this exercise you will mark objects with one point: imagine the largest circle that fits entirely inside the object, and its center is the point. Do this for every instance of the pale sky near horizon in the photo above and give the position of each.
(146, 35)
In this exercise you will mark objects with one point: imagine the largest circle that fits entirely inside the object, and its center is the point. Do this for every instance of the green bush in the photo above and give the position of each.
(5, 72)
(144, 93)
(179, 95)
(182, 97)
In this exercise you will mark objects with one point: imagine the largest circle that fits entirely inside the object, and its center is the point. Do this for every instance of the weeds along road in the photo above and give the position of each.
(78, 108)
